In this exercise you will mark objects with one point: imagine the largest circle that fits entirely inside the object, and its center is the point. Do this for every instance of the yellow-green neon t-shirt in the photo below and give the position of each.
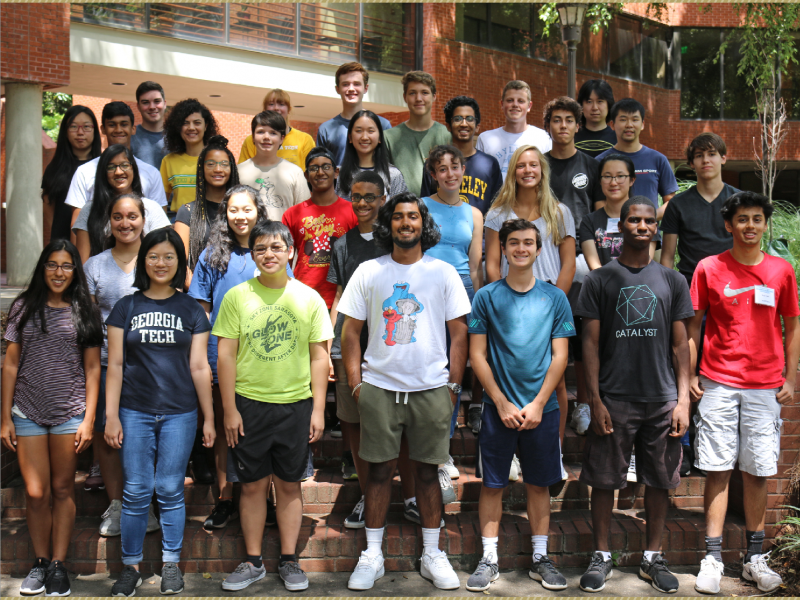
(274, 329)
(179, 174)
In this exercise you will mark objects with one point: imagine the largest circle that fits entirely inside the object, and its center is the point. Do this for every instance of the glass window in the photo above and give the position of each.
(388, 37)
(329, 31)
(472, 23)
(250, 22)
(654, 55)
(739, 98)
(624, 48)
(511, 27)
(549, 48)
(204, 22)
(700, 74)
(592, 51)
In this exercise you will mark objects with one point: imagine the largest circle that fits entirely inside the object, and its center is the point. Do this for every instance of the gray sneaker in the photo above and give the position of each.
(171, 579)
(244, 575)
(448, 493)
(110, 525)
(484, 575)
(34, 583)
(411, 513)
(543, 569)
(294, 578)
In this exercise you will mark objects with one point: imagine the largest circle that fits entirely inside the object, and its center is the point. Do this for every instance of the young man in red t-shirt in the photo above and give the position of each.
(743, 380)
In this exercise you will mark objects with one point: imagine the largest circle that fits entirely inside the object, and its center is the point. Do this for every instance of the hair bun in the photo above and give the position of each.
(218, 140)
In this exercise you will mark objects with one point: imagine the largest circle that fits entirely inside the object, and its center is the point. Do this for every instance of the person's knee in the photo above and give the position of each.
(255, 488)
(380, 473)
(37, 493)
(63, 489)
(427, 474)
(289, 488)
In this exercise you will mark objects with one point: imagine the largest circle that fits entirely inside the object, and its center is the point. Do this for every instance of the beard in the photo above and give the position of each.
(407, 243)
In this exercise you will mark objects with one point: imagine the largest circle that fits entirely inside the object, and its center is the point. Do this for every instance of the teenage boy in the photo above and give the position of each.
(116, 125)
(352, 82)
(410, 142)
(636, 355)
(595, 136)
(654, 176)
(317, 223)
(279, 183)
(273, 377)
(516, 103)
(518, 348)
(148, 142)
(744, 293)
(408, 300)
(482, 176)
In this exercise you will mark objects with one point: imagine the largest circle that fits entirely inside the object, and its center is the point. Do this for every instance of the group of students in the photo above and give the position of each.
(383, 258)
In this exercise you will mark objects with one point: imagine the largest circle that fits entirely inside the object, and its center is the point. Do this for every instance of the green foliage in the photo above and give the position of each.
(786, 231)
(790, 542)
(598, 14)
(54, 105)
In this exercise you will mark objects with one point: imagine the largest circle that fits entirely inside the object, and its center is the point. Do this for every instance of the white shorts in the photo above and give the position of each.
(737, 425)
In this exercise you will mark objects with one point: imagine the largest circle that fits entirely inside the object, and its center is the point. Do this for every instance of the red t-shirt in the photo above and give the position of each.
(743, 343)
(314, 229)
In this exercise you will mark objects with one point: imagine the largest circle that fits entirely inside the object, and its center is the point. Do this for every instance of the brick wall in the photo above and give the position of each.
(35, 43)
(690, 15)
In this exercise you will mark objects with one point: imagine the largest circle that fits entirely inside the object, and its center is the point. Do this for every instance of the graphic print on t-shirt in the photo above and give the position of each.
(400, 315)
(636, 304)
(272, 332)
(318, 239)
(268, 193)
(167, 321)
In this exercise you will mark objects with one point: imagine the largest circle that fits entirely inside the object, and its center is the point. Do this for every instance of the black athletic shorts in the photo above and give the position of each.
(275, 440)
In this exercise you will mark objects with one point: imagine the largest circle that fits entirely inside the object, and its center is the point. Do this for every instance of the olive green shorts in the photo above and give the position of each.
(346, 406)
(424, 417)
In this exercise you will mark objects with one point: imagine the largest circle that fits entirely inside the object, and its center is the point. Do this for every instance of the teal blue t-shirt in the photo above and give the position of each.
(519, 329)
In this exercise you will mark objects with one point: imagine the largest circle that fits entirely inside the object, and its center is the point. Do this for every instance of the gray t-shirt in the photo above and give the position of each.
(148, 146)
(154, 218)
(394, 185)
(108, 284)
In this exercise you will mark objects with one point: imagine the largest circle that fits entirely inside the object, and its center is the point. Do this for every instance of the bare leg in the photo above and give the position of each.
(490, 510)
(253, 514)
(406, 468)
(602, 506)
(429, 494)
(351, 432)
(289, 511)
(378, 493)
(539, 509)
(110, 466)
(755, 501)
(563, 406)
(221, 447)
(33, 454)
(716, 501)
(63, 463)
(656, 505)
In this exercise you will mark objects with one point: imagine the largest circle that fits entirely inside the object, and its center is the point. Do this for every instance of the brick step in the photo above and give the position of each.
(325, 545)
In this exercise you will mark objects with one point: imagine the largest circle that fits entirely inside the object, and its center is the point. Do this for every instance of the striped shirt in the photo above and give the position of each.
(51, 384)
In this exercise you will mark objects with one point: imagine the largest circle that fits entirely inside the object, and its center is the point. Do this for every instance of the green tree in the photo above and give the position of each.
(54, 105)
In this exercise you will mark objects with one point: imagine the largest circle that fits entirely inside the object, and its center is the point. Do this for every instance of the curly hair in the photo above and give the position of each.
(174, 123)
(458, 102)
(562, 103)
(222, 239)
(382, 228)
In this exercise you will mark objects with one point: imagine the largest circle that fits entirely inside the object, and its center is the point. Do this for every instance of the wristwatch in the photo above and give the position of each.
(455, 388)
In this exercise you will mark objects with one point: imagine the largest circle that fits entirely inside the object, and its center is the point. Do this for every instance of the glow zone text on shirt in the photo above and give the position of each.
(166, 321)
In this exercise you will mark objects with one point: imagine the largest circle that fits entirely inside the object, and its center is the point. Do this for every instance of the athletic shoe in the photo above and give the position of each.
(581, 418)
(438, 569)
(223, 512)
(450, 468)
(348, 466)
(686, 461)
(152, 520)
(127, 583)
(34, 582)
(474, 419)
(171, 579)
(294, 578)
(656, 571)
(448, 493)
(411, 513)
(758, 570)
(710, 575)
(484, 575)
(310, 466)
(94, 481)
(543, 569)
(368, 570)
(595, 577)
(202, 474)
(336, 430)
(244, 575)
(57, 583)
(355, 520)
(272, 517)
(109, 526)
(513, 474)
(632, 469)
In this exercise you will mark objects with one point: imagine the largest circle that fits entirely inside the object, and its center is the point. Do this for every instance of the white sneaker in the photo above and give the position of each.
(710, 575)
(152, 521)
(513, 474)
(448, 493)
(368, 570)
(632, 469)
(758, 570)
(581, 419)
(438, 569)
(109, 526)
(450, 469)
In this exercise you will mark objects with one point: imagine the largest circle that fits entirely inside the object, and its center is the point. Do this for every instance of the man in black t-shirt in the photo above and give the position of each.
(636, 353)
(595, 136)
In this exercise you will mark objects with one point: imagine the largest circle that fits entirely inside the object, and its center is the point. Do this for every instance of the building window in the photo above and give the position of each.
(506, 27)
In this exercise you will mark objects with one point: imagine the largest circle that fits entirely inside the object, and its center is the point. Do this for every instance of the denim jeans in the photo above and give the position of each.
(155, 452)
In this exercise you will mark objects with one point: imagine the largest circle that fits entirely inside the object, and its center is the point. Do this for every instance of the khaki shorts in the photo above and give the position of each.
(424, 417)
(346, 406)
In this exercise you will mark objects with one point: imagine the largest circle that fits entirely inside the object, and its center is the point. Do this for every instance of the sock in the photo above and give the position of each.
(254, 560)
(430, 540)
(606, 555)
(374, 541)
(649, 554)
(714, 547)
(287, 558)
(490, 547)
(408, 501)
(478, 405)
(755, 539)
(539, 543)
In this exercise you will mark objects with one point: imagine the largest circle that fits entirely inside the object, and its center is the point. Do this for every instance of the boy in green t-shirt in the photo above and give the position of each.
(273, 377)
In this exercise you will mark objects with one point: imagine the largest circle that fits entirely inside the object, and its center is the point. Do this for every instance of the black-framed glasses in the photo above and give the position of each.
(368, 198)
(126, 166)
(610, 178)
(458, 118)
(66, 267)
(326, 168)
(213, 163)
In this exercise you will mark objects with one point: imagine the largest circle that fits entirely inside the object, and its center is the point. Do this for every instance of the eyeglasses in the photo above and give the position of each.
(213, 163)
(275, 249)
(369, 198)
(126, 166)
(75, 127)
(458, 118)
(610, 178)
(326, 168)
(153, 259)
(66, 267)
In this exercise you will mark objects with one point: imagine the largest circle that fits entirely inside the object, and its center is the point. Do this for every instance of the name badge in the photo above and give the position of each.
(765, 296)
(612, 226)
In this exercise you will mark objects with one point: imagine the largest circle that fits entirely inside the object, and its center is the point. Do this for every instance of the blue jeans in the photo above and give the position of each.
(467, 281)
(155, 452)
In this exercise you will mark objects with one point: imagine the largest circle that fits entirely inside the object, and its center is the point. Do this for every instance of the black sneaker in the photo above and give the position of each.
(686, 461)
(223, 512)
(474, 419)
(57, 583)
(657, 572)
(271, 516)
(348, 466)
(544, 570)
(411, 513)
(171, 579)
(595, 577)
(201, 469)
(127, 583)
(34, 583)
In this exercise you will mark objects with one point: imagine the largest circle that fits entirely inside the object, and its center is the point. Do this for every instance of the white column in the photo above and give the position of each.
(23, 179)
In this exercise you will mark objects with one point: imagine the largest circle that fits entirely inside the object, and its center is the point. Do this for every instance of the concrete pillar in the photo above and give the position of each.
(23, 179)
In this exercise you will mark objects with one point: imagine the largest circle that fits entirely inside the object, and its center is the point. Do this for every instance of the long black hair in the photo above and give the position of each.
(175, 119)
(104, 195)
(141, 280)
(350, 164)
(58, 174)
(222, 240)
(30, 304)
(382, 227)
(137, 200)
(199, 216)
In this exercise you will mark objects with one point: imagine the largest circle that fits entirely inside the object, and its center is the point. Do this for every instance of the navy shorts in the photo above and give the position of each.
(538, 450)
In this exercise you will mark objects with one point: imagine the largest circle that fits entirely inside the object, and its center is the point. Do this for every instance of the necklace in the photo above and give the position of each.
(446, 203)
(124, 262)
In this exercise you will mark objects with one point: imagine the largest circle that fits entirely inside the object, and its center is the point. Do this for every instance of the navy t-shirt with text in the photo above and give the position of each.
(654, 176)
(482, 180)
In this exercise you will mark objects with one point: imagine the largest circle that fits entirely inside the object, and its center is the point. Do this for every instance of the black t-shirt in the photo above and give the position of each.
(607, 241)
(482, 180)
(185, 216)
(636, 309)
(576, 183)
(699, 226)
(157, 378)
(595, 142)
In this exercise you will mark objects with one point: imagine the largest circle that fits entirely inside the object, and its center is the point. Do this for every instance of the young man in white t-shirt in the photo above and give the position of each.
(408, 301)
(501, 143)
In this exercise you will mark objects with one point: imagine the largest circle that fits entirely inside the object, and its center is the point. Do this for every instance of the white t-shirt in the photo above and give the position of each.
(280, 186)
(548, 265)
(406, 308)
(81, 190)
(154, 218)
(501, 144)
